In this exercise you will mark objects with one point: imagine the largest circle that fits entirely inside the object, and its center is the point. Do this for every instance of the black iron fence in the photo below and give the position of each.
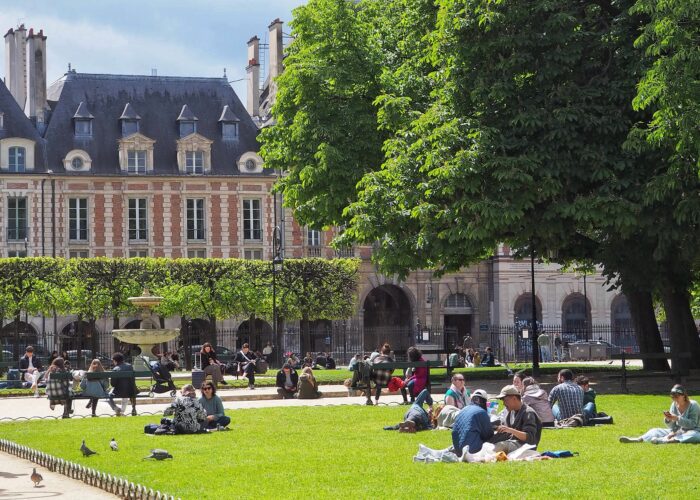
(340, 339)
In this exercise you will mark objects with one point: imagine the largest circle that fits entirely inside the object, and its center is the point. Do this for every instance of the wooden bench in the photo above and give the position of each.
(676, 371)
(366, 370)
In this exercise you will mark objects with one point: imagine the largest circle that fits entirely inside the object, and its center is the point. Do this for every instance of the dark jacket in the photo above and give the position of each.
(123, 387)
(282, 378)
(206, 357)
(24, 364)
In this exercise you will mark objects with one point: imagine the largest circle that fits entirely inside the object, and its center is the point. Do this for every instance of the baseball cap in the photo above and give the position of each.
(509, 390)
(480, 393)
(678, 389)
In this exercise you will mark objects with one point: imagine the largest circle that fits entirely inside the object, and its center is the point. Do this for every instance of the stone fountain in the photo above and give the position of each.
(150, 334)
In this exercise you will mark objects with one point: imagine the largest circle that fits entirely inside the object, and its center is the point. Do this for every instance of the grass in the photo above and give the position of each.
(333, 452)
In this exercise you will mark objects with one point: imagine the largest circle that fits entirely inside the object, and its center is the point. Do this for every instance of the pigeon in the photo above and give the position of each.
(36, 477)
(113, 445)
(86, 451)
(159, 454)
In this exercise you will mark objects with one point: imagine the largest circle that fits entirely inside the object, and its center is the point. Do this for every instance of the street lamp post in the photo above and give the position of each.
(535, 344)
(277, 263)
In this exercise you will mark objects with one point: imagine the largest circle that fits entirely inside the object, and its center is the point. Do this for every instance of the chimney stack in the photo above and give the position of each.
(16, 63)
(36, 105)
(276, 52)
(253, 77)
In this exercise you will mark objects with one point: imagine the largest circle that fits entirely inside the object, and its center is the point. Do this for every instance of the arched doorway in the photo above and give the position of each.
(16, 337)
(457, 319)
(388, 318)
(80, 336)
(199, 331)
(256, 337)
(576, 318)
(623, 333)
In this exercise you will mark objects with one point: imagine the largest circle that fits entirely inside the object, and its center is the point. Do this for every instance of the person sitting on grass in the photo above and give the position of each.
(472, 427)
(122, 387)
(457, 395)
(188, 414)
(287, 381)
(308, 386)
(537, 399)
(488, 359)
(566, 399)
(58, 390)
(214, 407)
(682, 422)
(416, 418)
(589, 408)
(519, 423)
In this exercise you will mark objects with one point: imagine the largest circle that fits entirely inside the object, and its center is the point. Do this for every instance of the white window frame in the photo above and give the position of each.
(195, 217)
(136, 161)
(18, 167)
(313, 237)
(194, 162)
(140, 219)
(18, 231)
(252, 253)
(196, 253)
(78, 219)
(78, 254)
(138, 252)
(252, 225)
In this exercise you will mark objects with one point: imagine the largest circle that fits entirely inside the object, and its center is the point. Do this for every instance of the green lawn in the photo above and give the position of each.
(334, 452)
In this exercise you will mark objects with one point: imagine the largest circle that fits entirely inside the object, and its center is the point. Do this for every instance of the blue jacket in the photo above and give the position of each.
(472, 428)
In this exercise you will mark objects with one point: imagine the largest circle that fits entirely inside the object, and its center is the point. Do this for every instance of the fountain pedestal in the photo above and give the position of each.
(149, 335)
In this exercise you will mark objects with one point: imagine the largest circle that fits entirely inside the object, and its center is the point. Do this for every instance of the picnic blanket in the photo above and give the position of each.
(487, 454)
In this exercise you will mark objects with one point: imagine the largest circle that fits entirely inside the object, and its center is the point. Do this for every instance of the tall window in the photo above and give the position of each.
(138, 217)
(136, 162)
(16, 218)
(17, 159)
(313, 238)
(194, 162)
(77, 219)
(252, 220)
(195, 219)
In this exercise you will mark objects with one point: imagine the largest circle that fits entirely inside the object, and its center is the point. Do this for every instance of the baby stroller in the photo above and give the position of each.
(162, 377)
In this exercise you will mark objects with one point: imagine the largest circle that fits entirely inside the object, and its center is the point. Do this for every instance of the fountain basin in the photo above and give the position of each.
(146, 336)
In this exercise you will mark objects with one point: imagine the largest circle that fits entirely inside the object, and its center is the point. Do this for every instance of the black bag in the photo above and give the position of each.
(261, 366)
(231, 368)
(198, 377)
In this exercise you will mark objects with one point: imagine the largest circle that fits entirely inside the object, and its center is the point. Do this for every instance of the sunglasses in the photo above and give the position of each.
(207, 388)
(459, 379)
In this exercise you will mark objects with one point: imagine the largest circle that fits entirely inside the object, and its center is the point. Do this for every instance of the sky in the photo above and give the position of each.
(176, 37)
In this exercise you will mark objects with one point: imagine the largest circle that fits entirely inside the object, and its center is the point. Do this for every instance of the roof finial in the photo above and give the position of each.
(68, 67)
(224, 72)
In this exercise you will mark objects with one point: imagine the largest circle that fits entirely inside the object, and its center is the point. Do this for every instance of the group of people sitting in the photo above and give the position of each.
(471, 357)
(59, 390)
(191, 415)
(291, 385)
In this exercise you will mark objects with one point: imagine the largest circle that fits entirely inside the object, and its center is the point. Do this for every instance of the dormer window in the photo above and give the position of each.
(17, 159)
(136, 162)
(229, 124)
(77, 163)
(187, 121)
(194, 162)
(82, 121)
(129, 120)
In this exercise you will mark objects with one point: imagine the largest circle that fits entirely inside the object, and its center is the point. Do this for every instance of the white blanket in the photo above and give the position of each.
(425, 454)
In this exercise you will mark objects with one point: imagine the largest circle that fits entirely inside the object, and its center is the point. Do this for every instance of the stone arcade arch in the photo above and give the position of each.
(388, 318)
(522, 310)
(458, 319)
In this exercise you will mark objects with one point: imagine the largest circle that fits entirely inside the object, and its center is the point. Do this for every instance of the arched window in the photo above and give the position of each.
(17, 159)
(523, 309)
(457, 300)
(620, 314)
(576, 314)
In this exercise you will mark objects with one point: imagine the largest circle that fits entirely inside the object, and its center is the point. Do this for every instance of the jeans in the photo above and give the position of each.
(544, 354)
(223, 421)
(684, 437)
(589, 410)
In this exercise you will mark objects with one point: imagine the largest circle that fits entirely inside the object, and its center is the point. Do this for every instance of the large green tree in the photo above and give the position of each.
(325, 136)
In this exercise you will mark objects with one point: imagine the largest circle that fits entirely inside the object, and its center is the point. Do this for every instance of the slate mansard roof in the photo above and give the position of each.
(158, 101)
(16, 124)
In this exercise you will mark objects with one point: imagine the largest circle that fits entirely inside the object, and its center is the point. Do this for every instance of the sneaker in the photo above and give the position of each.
(133, 412)
(251, 387)
(625, 439)
(37, 395)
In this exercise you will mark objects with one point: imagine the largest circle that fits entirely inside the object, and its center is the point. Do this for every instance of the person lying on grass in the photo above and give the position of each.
(188, 414)
(682, 422)
(416, 418)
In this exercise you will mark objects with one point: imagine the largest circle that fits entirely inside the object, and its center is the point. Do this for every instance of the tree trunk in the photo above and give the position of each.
(186, 342)
(16, 352)
(304, 336)
(115, 326)
(644, 320)
(682, 331)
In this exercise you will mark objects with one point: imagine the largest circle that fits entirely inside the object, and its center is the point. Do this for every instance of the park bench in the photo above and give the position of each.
(366, 370)
(102, 376)
(676, 370)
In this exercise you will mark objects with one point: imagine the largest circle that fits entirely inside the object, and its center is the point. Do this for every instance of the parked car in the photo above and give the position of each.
(224, 354)
(87, 357)
(39, 351)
